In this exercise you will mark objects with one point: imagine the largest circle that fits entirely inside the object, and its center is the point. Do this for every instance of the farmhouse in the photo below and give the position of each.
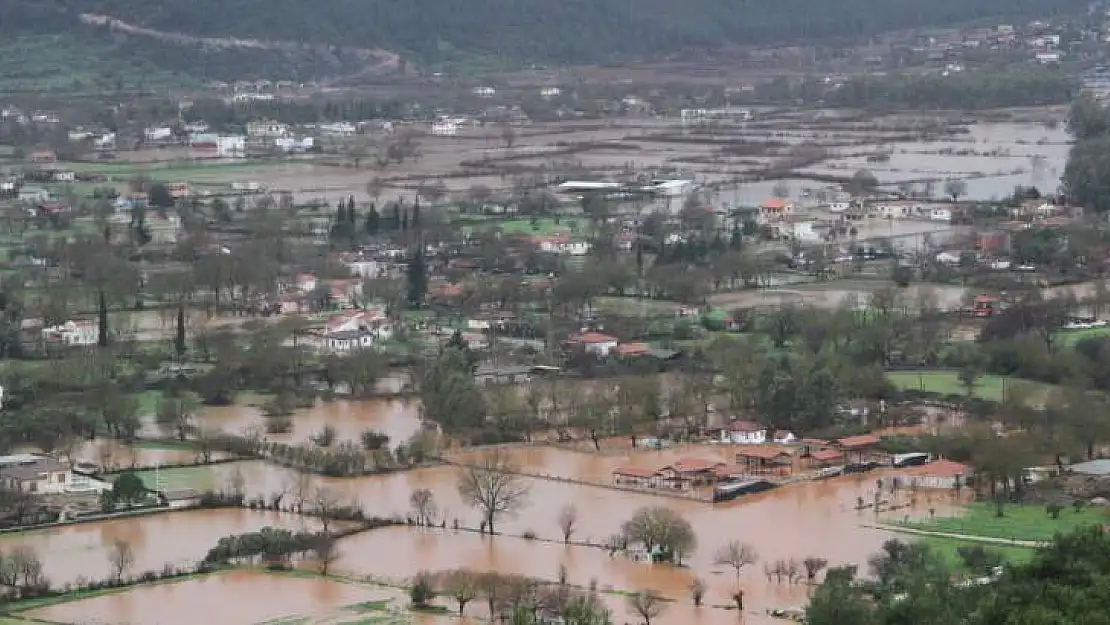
(939, 474)
(744, 433)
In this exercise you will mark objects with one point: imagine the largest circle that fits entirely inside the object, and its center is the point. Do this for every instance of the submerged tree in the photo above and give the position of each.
(493, 488)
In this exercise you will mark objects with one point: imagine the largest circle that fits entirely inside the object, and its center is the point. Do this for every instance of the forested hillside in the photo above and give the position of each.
(563, 31)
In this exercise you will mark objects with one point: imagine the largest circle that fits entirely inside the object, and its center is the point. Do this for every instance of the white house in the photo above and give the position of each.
(483, 92)
(162, 133)
(940, 213)
(562, 245)
(45, 475)
(1048, 56)
(72, 333)
(338, 129)
(363, 267)
(839, 206)
(445, 128)
(347, 332)
(265, 128)
(939, 474)
(595, 343)
(784, 437)
(306, 282)
(550, 92)
(744, 433)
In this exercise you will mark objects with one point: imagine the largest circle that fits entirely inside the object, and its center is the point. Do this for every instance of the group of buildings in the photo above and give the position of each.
(768, 458)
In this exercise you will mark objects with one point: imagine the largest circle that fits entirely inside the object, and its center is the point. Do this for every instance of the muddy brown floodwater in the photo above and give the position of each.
(397, 419)
(232, 598)
(791, 522)
(177, 538)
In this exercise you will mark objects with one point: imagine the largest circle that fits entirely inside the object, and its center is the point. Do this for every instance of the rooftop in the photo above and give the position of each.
(858, 442)
(634, 472)
(1092, 467)
(693, 465)
(944, 468)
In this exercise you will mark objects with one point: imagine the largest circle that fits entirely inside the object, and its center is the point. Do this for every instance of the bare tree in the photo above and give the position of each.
(735, 555)
(813, 566)
(236, 483)
(493, 488)
(955, 188)
(423, 506)
(120, 557)
(738, 599)
(508, 135)
(25, 564)
(568, 519)
(463, 586)
(697, 591)
(793, 570)
(375, 187)
(647, 603)
(326, 550)
(325, 503)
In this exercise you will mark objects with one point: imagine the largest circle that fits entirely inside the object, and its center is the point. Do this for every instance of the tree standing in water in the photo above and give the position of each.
(493, 488)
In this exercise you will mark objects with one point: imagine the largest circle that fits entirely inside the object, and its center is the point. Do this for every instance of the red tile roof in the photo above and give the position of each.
(632, 349)
(634, 472)
(858, 442)
(940, 468)
(593, 337)
(761, 452)
(827, 455)
(693, 465)
(774, 203)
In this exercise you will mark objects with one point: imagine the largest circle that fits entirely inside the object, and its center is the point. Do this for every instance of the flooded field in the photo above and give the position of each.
(177, 538)
(806, 519)
(236, 597)
(114, 455)
(796, 521)
(834, 294)
(991, 156)
(397, 419)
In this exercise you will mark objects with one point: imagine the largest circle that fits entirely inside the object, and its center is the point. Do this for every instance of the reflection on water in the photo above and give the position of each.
(396, 418)
(178, 538)
(233, 598)
(792, 522)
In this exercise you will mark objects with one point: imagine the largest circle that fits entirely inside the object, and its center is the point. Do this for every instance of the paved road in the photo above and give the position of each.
(968, 537)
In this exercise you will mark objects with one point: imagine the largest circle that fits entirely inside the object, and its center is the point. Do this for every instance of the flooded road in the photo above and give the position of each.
(232, 598)
(177, 538)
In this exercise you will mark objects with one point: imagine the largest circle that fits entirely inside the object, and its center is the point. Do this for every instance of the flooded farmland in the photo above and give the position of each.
(178, 538)
(796, 521)
(396, 418)
(240, 597)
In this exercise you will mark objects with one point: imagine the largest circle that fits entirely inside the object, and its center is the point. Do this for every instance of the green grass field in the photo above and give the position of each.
(1067, 338)
(1020, 522)
(990, 387)
(196, 478)
(542, 226)
(946, 548)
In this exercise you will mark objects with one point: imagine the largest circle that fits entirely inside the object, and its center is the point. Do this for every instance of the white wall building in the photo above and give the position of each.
(744, 433)
(445, 128)
(73, 333)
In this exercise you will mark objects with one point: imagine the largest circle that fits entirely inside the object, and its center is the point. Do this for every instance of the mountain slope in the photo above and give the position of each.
(312, 39)
(561, 30)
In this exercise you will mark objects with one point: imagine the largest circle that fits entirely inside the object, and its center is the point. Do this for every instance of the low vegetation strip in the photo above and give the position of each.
(988, 387)
(950, 549)
(1017, 523)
